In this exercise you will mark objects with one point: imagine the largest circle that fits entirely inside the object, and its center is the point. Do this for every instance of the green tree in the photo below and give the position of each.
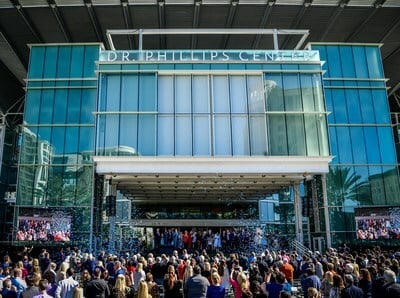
(343, 183)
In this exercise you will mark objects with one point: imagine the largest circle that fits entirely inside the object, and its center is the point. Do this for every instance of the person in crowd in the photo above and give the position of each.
(172, 285)
(188, 273)
(32, 289)
(310, 280)
(20, 266)
(350, 290)
(287, 269)
(117, 271)
(66, 286)
(7, 263)
(35, 266)
(275, 283)
(97, 287)
(43, 285)
(50, 272)
(128, 283)
(143, 291)
(85, 278)
(215, 290)
(391, 289)
(313, 293)
(8, 291)
(158, 270)
(256, 290)
(337, 287)
(365, 282)
(121, 290)
(206, 271)
(154, 290)
(44, 261)
(327, 284)
(138, 276)
(62, 271)
(18, 282)
(350, 268)
(377, 280)
(197, 285)
(78, 292)
(223, 272)
(106, 277)
(52, 285)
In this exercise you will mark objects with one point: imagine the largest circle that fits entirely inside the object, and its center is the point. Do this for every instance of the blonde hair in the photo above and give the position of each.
(242, 280)
(329, 277)
(313, 293)
(78, 292)
(139, 267)
(215, 278)
(120, 283)
(143, 291)
(171, 277)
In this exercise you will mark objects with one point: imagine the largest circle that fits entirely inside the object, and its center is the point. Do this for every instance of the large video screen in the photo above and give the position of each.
(374, 223)
(44, 225)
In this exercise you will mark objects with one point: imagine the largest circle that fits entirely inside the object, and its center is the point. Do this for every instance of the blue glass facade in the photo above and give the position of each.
(219, 110)
(58, 126)
(79, 104)
(364, 170)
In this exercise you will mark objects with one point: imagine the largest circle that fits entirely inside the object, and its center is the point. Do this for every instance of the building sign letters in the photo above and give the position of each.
(192, 56)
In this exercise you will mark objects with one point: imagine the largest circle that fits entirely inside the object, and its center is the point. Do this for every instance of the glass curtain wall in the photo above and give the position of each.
(58, 130)
(364, 171)
(265, 114)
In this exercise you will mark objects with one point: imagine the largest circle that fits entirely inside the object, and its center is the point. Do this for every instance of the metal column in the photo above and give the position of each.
(326, 212)
(112, 191)
(297, 213)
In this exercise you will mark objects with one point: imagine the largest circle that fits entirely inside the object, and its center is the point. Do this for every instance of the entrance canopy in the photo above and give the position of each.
(208, 179)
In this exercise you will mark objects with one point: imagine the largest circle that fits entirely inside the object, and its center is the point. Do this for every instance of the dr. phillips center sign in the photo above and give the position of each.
(193, 56)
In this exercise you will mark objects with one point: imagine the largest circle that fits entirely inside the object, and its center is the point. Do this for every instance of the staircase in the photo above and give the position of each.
(301, 249)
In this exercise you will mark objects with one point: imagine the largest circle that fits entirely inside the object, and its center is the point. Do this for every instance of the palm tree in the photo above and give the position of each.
(343, 183)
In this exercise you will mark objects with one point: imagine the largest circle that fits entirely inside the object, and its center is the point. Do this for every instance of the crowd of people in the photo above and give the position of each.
(370, 229)
(41, 230)
(187, 273)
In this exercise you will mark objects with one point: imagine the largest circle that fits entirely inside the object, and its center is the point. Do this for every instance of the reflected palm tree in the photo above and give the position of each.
(343, 183)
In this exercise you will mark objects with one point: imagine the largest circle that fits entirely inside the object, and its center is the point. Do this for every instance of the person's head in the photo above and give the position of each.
(348, 279)
(196, 269)
(310, 271)
(389, 276)
(43, 284)
(349, 268)
(149, 277)
(117, 264)
(284, 294)
(365, 274)
(338, 281)
(30, 280)
(86, 275)
(70, 272)
(7, 283)
(120, 282)
(171, 269)
(143, 289)
(313, 293)
(215, 278)
(17, 272)
(280, 278)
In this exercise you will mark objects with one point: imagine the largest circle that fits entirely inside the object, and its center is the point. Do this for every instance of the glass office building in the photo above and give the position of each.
(289, 142)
